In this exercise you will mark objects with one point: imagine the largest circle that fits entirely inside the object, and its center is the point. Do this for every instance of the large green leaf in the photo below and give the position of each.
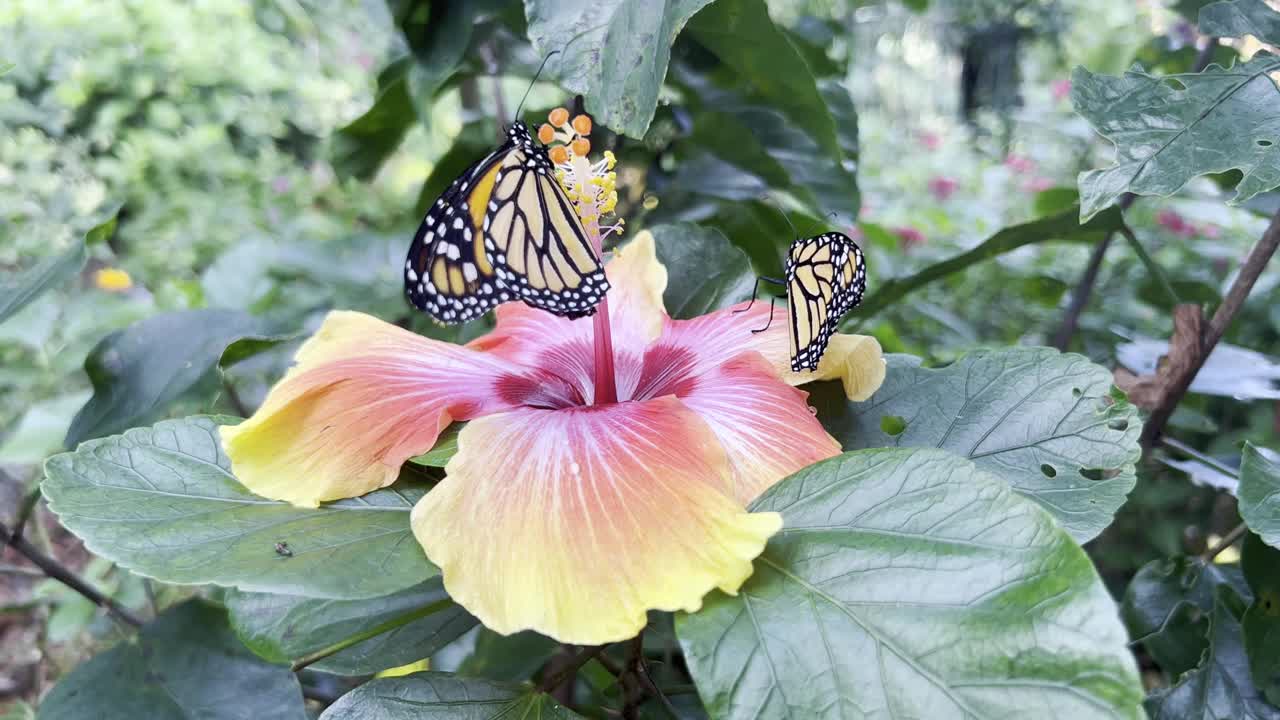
(1041, 420)
(137, 371)
(911, 584)
(1220, 688)
(743, 36)
(281, 628)
(19, 289)
(705, 272)
(1260, 493)
(186, 664)
(615, 52)
(1167, 130)
(162, 502)
(441, 696)
(1261, 622)
(1060, 226)
(1167, 605)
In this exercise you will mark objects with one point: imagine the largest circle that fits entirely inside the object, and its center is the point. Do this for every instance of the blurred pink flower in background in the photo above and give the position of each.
(942, 187)
(1061, 89)
(909, 237)
(1175, 223)
(929, 140)
(1019, 163)
(1037, 184)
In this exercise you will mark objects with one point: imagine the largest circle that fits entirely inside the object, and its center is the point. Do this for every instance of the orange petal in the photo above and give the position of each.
(362, 397)
(575, 523)
(766, 427)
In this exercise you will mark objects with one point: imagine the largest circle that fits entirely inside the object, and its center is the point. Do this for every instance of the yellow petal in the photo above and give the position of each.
(576, 522)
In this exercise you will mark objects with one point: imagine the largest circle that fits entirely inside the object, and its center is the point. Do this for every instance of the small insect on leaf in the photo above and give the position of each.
(282, 549)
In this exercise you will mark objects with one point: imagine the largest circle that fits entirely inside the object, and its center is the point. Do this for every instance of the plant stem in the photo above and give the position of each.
(62, 574)
(557, 678)
(374, 631)
(1153, 269)
(1227, 541)
(1250, 269)
(1194, 454)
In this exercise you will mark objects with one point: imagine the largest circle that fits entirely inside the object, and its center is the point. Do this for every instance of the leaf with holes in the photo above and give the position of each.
(1042, 420)
(615, 52)
(911, 583)
(705, 272)
(441, 696)
(1260, 492)
(184, 664)
(281, 628)
(162, 502)
(1168, 130)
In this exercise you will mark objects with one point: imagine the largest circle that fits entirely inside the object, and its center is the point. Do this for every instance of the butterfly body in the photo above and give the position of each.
(826, 277)
(504, 230)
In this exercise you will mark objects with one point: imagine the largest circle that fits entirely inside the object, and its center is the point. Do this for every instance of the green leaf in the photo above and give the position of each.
(511, 658)
(185, 664)
(1260, 493)
(19, 289)
(1167, 605)
(911, 583)
(138, 371)
(281, 628)
(1220, 687)
(474, 141)
(1238, 18)
(1168, 130)
(743, 36)
(615, 52)
(162, 502)
(1062, 226)
(445, 448)
(1261, 622)
(1041, 420)
(361, 146)
(441, 696)
(39, 433)
(439, 47)
(705, 272)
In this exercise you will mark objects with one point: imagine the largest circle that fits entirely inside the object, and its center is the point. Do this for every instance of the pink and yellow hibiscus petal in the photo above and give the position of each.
(766, 427)
(718, 337)
(362, 397)
(575, 523)
(636, 313)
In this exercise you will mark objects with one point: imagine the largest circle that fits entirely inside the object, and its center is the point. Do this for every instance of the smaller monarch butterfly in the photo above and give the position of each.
(826, 276)
(504, 230)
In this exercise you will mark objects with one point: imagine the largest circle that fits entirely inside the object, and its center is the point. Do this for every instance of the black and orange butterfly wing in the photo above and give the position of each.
(538, 245)
(826, 277)
(504, 230)
(447, 272)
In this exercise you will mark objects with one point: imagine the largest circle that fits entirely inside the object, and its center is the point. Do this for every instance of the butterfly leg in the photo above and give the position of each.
(766, 325)
(755, 291)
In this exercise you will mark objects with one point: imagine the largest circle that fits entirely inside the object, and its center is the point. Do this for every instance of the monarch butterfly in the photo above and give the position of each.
(826, 276)
(504, 230)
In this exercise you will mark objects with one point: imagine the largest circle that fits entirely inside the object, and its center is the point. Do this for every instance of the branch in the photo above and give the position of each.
(1250, 269)
(59, 572)
(1227, 541)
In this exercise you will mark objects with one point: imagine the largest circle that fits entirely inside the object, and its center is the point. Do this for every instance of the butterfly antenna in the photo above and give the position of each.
(534, 80)
(794, 231)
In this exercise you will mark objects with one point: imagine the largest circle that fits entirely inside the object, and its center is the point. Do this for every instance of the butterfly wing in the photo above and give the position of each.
(536, 241)
(448, 273)
(826, 277)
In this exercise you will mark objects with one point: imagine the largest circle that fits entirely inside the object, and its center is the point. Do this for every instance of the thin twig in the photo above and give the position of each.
(62, 574)
(557, 678)
(632, 694)
(24, 511)
(641, 672)
(1153, 269)
(374, 631)
(1185, 449)
(1227, 541)
(7, 569)
(1250, 269)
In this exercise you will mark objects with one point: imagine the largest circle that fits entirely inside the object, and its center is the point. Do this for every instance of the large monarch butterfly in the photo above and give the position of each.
(826, 276)
(504, 230)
